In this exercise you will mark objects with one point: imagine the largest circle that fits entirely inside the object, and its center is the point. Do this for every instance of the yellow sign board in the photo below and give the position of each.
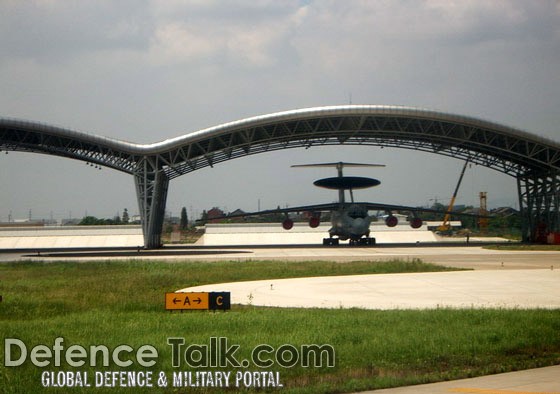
(186, 301)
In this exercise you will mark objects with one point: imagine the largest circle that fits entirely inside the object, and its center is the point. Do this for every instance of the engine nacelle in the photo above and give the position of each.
(314, 222)
(287, 224)
(416, 223)
(391, 221)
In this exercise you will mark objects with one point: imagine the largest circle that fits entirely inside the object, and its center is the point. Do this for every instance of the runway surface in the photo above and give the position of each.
(458, 255)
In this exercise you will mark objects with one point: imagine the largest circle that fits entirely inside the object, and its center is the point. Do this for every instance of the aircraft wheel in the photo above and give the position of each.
(330, 241)
(363, 241)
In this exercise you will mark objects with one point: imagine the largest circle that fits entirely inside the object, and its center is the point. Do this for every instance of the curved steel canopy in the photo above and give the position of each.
(533, 160)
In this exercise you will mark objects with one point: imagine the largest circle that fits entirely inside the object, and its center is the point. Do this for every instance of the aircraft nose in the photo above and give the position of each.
(358, 222)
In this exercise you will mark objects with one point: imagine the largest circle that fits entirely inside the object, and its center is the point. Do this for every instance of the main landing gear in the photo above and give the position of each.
(362, 242)
(353, 242)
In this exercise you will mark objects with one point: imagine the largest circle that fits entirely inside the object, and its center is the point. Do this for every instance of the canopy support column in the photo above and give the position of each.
(539, 203)
(151, 190)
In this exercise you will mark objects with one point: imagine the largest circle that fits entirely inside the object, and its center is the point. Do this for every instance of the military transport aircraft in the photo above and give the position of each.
(350, 221)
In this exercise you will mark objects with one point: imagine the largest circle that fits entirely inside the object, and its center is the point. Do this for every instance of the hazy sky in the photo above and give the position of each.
(144, 71)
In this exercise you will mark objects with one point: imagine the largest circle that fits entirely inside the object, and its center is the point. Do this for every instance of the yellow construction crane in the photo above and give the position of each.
(446, 225)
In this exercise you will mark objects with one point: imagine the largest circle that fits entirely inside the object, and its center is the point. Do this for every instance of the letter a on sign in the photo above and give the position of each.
(193, 300)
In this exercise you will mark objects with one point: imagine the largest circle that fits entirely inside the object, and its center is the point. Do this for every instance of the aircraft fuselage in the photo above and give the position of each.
(351, 222)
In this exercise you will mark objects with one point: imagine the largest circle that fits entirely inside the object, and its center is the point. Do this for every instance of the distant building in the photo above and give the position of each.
(504, 211)
(237, 212)
(214, 215)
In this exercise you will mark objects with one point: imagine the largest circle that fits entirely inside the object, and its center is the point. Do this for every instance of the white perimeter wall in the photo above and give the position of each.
(70, 237)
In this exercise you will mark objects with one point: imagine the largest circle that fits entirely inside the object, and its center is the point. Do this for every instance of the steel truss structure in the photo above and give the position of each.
(532, 160)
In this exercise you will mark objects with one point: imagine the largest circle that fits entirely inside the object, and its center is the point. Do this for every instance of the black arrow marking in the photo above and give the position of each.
(198, 300)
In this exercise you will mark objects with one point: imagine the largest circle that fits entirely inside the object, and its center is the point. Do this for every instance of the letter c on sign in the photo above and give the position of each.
(220, 300)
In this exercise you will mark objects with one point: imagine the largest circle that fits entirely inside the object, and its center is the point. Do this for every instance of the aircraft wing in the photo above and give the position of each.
(304, 208)
(372, 206)
(390, 207)
(335, 206)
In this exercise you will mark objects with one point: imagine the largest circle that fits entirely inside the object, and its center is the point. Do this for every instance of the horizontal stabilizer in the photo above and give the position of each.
(339, 164)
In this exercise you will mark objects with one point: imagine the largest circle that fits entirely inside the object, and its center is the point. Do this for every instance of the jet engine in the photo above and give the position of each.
(314, 222)
(287, 224)
(391, 221)
(416, 223)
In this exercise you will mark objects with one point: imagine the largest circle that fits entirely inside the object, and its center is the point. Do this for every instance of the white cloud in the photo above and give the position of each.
(175, 42)
(189, 35)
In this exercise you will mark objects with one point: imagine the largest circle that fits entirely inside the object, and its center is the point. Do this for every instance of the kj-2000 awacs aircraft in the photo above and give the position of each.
(350, 221)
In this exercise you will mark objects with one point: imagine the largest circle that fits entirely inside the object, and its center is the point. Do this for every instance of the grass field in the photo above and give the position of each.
(115, 303)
